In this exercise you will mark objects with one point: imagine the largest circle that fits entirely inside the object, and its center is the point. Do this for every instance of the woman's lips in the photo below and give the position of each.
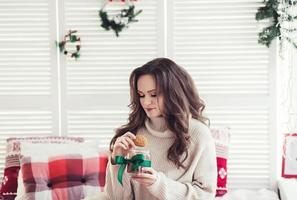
(150, 109)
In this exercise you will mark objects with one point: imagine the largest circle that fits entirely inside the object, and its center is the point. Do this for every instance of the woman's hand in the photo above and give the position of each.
(147, 177)
(123, 145)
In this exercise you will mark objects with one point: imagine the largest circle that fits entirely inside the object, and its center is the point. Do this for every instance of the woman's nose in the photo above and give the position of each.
(147, 101)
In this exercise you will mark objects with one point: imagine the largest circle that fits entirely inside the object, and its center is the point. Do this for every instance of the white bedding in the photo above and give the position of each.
(262, 194)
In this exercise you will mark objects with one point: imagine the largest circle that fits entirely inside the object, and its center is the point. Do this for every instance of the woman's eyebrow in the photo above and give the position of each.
(153, 90)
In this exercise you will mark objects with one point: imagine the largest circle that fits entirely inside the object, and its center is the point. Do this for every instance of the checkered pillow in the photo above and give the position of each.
(221, 137)
(67, 177)
(13, 147)
(12, 162)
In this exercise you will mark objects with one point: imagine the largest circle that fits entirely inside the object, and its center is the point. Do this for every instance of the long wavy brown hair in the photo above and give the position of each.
(181, 100)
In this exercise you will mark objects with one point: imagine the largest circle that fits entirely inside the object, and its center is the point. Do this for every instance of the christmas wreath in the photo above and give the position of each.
(72, 38)
(269, 33)
(120, 21)
(279, 12)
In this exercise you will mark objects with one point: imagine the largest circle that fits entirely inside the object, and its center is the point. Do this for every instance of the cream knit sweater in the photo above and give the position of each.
(196, 182)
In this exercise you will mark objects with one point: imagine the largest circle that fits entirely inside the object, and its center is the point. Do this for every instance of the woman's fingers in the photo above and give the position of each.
(126, 141)
(146, 179)
(123, 144)
(143, 176)
(130, 142)
(130, 135)
(148, 170)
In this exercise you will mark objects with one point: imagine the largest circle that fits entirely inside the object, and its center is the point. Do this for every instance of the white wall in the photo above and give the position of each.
(287, 95)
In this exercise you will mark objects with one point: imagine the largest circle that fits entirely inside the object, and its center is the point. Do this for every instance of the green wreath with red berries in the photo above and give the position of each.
(71, 37)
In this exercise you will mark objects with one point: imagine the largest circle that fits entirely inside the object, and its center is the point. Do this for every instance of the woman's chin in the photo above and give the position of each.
(153, 115)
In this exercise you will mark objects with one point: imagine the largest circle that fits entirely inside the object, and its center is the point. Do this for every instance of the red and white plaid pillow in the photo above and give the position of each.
(66, 177)
(12, 163)
(61, 171)
(221, 137)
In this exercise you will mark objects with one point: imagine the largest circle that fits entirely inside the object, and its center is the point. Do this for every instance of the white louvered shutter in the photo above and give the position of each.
(28, 94)
(95, 90)
(216, 41)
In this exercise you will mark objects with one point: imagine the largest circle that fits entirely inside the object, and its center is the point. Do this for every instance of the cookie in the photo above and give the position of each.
(140, 140)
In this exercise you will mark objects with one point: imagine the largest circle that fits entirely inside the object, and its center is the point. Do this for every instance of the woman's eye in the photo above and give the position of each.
(153, 95)
(141, 96)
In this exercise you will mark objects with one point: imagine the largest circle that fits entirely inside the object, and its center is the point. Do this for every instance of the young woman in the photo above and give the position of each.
(166, 109)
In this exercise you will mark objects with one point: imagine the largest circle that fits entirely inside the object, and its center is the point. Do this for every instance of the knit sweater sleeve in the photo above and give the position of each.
(203, 185)
(113, 189)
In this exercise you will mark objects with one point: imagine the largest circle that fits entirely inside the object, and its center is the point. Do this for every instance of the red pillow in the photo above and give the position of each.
(221, 137)
(9, 183)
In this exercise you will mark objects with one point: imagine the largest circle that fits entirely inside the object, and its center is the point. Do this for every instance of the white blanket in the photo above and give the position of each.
(262, 194)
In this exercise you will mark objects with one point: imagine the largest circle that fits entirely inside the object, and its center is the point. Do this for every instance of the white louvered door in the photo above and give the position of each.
(95, 89)
(28, 89)
(216, 41)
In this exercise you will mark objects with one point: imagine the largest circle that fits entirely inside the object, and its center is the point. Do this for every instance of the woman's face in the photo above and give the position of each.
(151, 102)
